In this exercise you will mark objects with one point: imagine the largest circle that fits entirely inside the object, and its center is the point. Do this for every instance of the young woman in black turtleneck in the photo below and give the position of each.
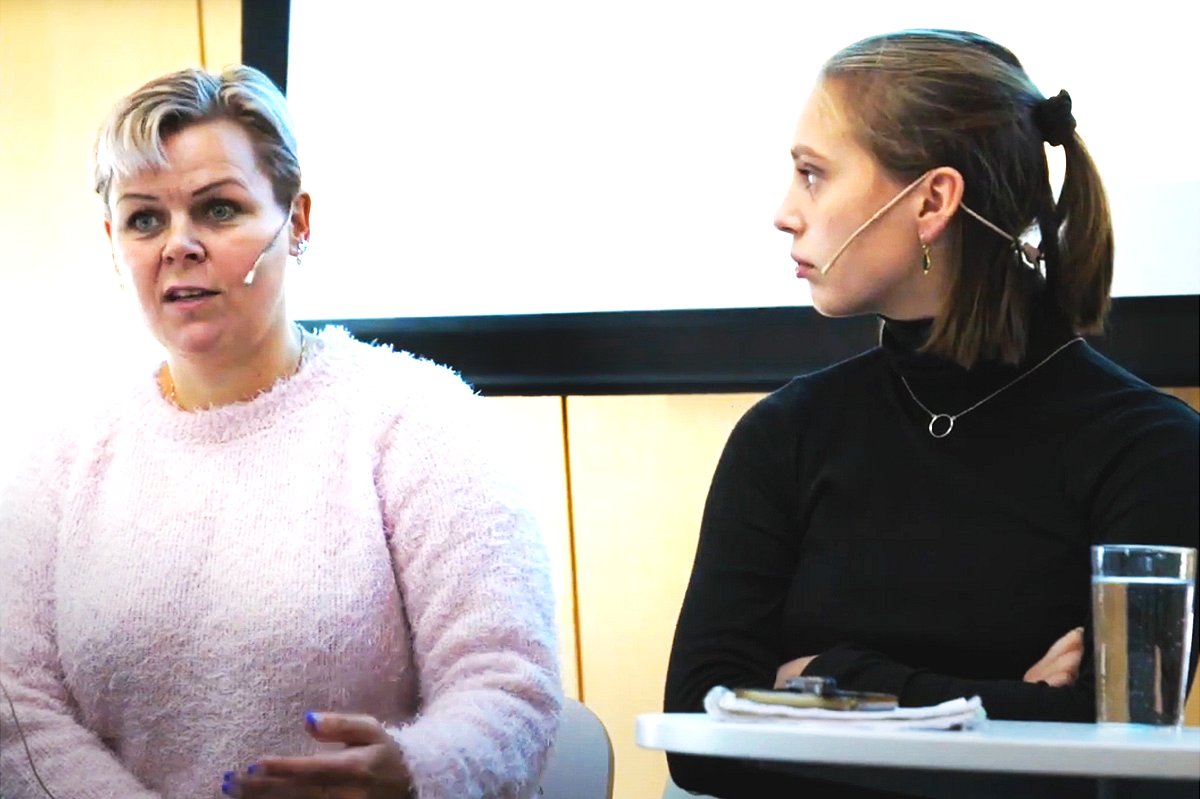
(917, 520)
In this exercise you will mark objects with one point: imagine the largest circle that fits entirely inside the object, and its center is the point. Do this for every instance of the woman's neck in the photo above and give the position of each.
(192, 382)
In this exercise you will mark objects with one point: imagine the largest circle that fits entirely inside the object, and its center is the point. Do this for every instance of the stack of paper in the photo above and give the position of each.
(956, 714)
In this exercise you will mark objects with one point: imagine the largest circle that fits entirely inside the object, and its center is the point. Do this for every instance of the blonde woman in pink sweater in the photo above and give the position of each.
(282, 564)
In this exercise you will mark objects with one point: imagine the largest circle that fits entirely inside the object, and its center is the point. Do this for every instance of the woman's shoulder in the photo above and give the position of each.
(394, 384)
(419, 413)
(57, 440)
(1111, 389)
(107, 408)
(1107, 415)
(793, 405)
(384, 366)
(817, 386)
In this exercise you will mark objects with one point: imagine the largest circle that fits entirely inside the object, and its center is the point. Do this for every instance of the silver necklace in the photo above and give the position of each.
(942, 424)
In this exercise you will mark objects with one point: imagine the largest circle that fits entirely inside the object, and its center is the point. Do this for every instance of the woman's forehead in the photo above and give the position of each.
(823, 129)
(199, 155)
(210, 143)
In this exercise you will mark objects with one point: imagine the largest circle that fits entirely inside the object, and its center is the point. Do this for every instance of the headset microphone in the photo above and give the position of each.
(1030, 254)
(249, 280)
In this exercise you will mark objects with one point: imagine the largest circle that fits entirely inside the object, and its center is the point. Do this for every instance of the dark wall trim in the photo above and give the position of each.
(738, 349)
(265, 37)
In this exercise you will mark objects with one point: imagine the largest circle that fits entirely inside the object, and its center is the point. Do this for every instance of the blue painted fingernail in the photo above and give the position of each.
(252, 768)
(310, 720)
(227, 789)
(228, 776)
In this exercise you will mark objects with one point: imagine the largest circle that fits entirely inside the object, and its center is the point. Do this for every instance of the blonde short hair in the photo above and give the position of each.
(131, 138)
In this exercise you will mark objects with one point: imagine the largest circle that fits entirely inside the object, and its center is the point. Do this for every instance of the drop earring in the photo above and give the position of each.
(117, 271)
(301, 248)
(926, 259)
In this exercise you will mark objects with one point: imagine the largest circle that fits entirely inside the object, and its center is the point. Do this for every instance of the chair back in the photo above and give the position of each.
(580, 765)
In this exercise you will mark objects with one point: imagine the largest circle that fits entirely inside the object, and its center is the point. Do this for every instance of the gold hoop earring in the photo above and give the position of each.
(926, 259)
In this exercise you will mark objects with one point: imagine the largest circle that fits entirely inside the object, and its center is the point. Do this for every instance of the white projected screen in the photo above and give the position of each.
(472, 157)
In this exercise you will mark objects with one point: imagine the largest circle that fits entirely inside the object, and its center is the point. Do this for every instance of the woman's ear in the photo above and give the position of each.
(301, 207)
(941, 196)
(111, 251)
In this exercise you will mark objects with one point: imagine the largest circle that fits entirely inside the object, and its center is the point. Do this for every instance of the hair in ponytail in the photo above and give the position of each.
(1085, 266)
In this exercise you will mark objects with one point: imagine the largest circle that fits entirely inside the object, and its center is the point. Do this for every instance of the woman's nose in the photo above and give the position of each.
(787, 216)
(183, 244)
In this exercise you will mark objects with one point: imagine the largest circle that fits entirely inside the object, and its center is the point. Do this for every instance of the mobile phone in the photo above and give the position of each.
(822, 694)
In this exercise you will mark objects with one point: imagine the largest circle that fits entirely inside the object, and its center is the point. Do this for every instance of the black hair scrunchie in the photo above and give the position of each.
(1054, 120)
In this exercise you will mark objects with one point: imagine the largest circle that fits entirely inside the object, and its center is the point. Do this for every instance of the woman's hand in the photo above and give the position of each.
(370, 767)
(1060, 665)
(793, 668)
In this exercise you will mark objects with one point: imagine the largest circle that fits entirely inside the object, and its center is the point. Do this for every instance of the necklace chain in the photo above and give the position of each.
(168, 382)
(942, 424)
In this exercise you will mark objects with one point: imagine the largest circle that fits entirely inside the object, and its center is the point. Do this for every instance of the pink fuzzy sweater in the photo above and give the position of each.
(178, 589)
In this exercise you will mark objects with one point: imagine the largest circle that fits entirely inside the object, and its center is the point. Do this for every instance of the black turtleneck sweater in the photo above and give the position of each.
(837, 526)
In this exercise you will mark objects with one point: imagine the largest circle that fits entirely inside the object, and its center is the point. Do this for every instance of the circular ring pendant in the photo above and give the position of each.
(940, 425)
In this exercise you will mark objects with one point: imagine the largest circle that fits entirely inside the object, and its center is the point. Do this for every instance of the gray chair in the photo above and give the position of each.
(580, 765)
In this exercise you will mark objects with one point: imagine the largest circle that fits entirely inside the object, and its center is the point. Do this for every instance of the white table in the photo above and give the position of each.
(1132, 754)
(1026, 747)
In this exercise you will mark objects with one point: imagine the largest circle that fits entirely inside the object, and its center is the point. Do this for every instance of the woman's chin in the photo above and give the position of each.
(195, 338)
(834, 307)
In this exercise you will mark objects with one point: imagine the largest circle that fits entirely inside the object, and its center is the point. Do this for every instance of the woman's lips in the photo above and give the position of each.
(804, 269)
(185, 298)
(187, 292)
(188, 304)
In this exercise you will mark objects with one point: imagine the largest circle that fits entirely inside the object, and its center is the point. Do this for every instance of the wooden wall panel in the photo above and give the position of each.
(640, 469)
(221, 22)
(63, 63)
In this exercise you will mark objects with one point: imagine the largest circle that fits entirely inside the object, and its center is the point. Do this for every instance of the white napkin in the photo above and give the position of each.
(959, 713)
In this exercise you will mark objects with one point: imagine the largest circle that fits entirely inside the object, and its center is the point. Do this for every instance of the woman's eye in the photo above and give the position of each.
(222, 211)
(142, 222)
(807, 176)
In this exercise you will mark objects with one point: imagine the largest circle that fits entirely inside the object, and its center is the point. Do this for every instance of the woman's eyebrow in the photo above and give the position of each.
(806, 151)
(216, 184)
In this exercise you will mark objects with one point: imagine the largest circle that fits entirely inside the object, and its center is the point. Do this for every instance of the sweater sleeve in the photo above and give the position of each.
(70, 759)
(1133, 475)
(1144, 490)
(728, 631)
(474, 576)
(861, 669)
